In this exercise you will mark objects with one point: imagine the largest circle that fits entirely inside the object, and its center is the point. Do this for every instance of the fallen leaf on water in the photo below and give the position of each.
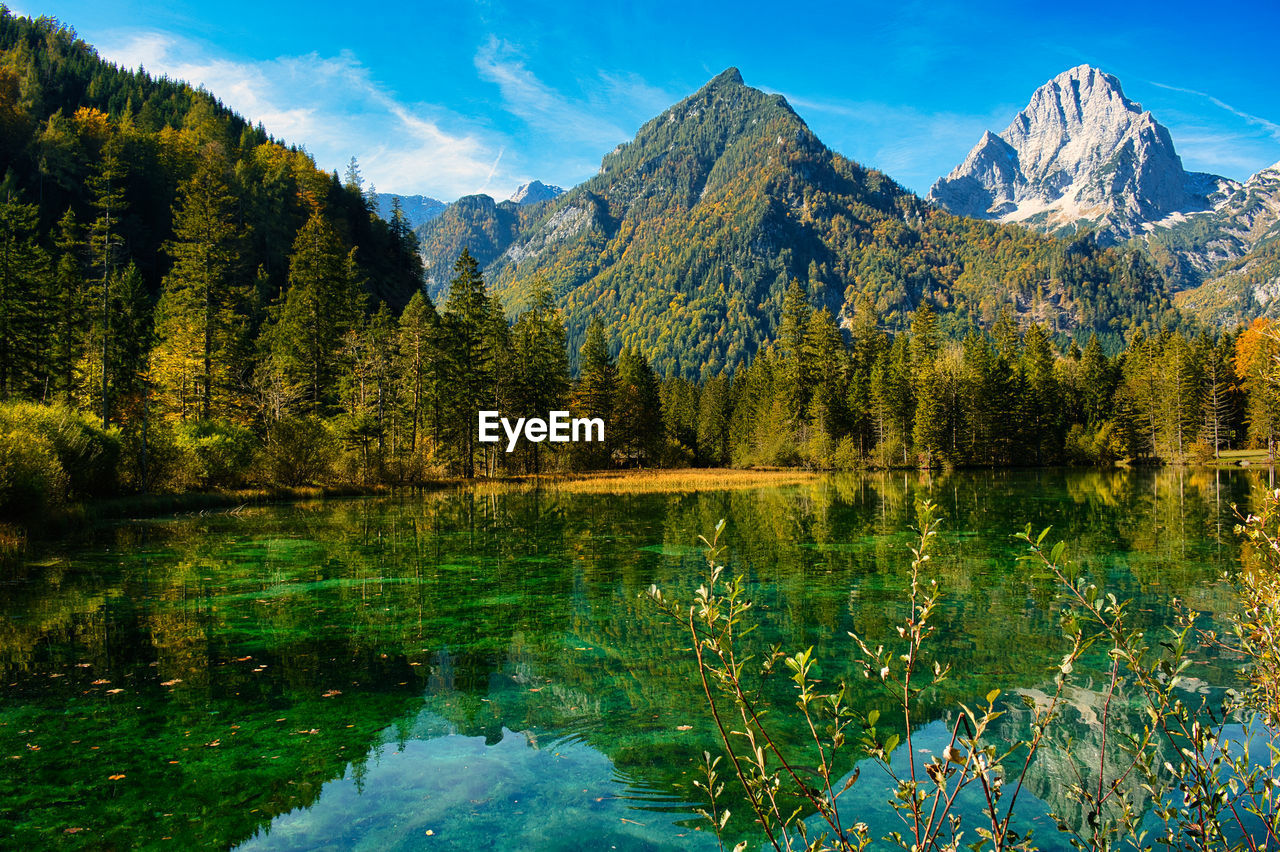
(171, 682)
(430, 832)
(684, 727)
(114, 691)
(331, 693)
(100, 682)
(72, 830)
(115, 777)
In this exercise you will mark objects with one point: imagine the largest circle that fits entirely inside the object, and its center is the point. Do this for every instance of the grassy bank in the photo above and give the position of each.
(683, 480)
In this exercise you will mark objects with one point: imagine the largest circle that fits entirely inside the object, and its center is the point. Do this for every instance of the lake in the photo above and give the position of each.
(478, 669)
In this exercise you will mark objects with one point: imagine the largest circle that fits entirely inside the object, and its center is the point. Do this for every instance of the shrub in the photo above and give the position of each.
(31, 479)
(297, 451)
(1205, 786)
(212, 453)
(88, 454)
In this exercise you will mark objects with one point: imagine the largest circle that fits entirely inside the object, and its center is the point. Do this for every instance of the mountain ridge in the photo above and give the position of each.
(689, 234)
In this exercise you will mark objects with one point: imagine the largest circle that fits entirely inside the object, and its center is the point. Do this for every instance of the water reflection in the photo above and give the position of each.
(196, 678)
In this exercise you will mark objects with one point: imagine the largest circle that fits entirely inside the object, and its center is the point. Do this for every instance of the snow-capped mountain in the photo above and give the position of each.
(1081, 154)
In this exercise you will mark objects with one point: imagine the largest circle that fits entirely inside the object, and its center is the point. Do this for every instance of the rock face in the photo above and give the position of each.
(1080, 154)
(535, 192)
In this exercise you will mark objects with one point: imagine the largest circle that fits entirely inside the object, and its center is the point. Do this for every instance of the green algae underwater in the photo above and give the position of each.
(471, 670)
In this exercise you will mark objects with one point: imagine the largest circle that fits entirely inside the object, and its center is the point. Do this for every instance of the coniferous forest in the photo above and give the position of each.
(187, 303)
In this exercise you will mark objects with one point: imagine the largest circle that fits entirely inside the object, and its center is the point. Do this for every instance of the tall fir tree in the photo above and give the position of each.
(319, 307)
(470, 358)
(594, 393)
(201, 302)
(24, 303)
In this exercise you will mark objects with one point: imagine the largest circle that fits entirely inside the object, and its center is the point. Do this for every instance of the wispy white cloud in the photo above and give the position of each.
(333, 106)
(544, 109)
(1271, 127)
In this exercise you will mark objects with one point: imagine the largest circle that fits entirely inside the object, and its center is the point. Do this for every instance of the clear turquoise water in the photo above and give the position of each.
(465, 671)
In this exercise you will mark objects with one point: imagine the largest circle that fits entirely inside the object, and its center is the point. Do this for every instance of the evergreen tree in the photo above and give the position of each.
(470, 356)
(596, 391)
(421, 370)
(796, 366)
(1097, 382)
(540, 364)
(825, 352)
(319, 308)
(893, 401)
(1217, 391)
(715, 406)
(68, 322)
(107, 199)
(24, 277)
(201, 305)
(637, 410)
(1041, 408)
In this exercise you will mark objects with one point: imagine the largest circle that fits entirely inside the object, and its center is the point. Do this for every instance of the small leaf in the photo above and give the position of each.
(992, 696)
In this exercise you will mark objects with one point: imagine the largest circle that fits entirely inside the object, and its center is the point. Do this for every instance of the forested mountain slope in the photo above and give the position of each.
(64, 112)
(687, 238)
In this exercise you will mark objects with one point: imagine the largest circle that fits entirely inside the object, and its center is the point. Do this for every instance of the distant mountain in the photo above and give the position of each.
(687, 238)
(418, 209)
(1225, 258)
(473, 222)
(1080, 156)
(535, 192)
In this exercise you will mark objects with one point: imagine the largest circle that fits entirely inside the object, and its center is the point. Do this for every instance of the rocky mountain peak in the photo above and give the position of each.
(730, 76)
(534, 192)
(1079, 154)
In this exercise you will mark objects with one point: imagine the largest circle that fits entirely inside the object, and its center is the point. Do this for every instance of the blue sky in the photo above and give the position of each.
(447, 99)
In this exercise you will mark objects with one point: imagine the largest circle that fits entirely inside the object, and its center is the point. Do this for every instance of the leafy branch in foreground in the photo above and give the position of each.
(784, 789)
(1205, 783)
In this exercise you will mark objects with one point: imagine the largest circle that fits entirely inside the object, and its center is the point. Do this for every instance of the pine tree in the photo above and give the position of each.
(825, 352)
(595, 391)
(108, 201)
(69, 318)
(24, 277)
(200, 304)
(1182, 403)
(540, 363)
(637, 410)
(1097, 379)
(421, 369)
(715, 406)
(796, 367)
(868, 341)
(320, 306)
(893, 400)
(1217, 388)
(1042, 401)
(470, 357)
